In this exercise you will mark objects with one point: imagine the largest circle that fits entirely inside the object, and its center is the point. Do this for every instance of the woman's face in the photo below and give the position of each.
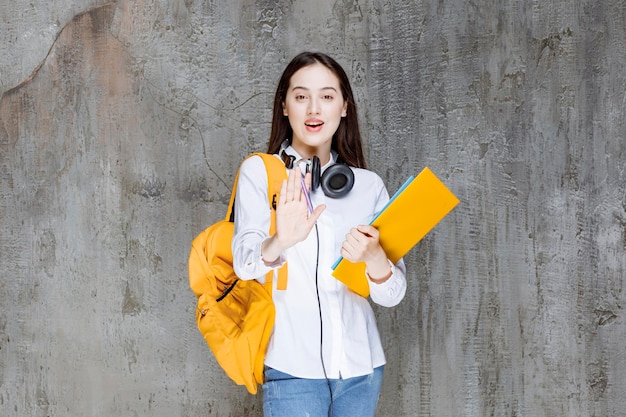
(314, 106)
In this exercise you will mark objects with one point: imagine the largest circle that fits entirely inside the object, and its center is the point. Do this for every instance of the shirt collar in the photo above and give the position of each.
(291, 151)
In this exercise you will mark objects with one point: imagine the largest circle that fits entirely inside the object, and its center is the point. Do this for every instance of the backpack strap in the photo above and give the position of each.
(276, 173)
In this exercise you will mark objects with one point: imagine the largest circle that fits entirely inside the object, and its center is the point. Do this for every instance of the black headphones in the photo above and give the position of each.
(336, 181)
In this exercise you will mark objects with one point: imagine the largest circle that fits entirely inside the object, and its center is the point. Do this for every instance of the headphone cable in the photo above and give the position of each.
(319, 305)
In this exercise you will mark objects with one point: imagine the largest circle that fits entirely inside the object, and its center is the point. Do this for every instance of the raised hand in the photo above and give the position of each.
(293, 220)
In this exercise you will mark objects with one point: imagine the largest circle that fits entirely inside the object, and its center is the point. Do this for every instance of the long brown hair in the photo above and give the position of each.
(347, 139)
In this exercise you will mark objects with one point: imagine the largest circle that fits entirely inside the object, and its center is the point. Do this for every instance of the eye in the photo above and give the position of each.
(327, 97)
(300, 97)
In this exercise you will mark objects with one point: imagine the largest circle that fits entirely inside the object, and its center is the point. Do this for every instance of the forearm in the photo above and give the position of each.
(252, 221)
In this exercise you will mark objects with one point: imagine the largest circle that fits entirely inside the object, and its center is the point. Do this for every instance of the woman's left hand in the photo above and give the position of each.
(362, 245)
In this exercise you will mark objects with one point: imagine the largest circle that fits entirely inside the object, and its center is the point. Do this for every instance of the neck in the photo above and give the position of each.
(308, 152)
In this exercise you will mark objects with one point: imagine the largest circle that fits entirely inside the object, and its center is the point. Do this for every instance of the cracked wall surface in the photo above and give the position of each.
(122, 124)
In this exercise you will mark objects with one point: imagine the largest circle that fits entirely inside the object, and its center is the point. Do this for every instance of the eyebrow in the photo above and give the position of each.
(307, 89)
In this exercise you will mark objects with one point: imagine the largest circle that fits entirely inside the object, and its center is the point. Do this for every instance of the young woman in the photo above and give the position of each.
(325, 356)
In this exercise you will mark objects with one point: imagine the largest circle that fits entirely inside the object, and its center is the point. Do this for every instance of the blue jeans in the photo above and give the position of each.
(288, 396)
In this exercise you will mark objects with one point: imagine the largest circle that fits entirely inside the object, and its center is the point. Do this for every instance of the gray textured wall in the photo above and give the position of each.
(121, 126)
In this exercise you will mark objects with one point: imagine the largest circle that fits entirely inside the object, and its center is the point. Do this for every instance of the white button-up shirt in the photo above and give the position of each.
(347, 332)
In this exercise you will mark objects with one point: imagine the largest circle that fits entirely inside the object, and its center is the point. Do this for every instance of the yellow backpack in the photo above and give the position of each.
(236, 317)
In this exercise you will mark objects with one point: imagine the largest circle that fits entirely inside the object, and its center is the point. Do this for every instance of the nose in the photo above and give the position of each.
(313, 107)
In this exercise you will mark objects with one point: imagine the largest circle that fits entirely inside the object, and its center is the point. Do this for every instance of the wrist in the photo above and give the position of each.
(381, 279)
(379, 270)
(271, 249)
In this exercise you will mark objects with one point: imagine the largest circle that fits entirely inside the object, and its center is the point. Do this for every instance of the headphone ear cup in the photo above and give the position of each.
(337, 180)
(316, 168)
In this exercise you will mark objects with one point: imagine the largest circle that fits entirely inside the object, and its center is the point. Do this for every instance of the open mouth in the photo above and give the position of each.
(314, 124)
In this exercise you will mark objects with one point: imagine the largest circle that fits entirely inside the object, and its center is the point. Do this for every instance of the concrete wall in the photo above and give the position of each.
(121, 126)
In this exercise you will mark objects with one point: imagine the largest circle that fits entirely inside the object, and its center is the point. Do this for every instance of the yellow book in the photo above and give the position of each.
(408, 216)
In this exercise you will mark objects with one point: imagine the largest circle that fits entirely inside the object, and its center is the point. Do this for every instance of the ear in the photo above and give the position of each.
(285, 110)
(344, 112)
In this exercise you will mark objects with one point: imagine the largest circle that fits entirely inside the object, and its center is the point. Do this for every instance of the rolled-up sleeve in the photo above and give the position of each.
(252, 221)
(390, 292)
